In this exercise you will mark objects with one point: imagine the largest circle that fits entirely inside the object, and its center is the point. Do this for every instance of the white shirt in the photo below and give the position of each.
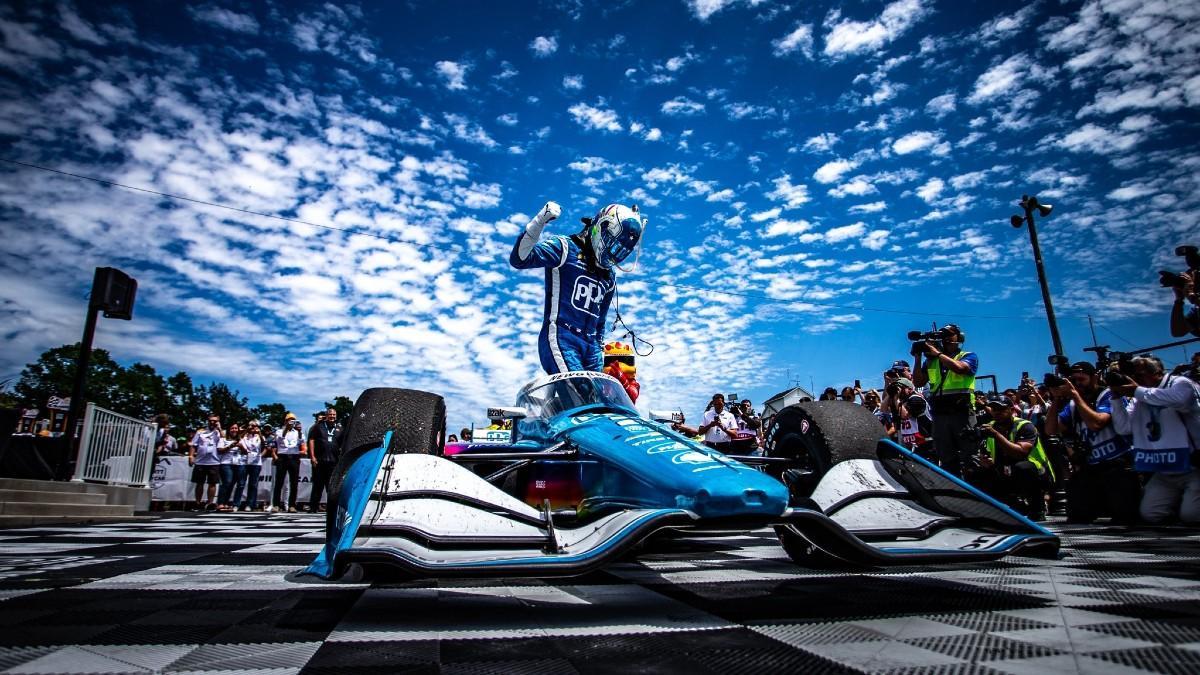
(230, 454)
(253, 447)
(715, 434)
(290, 442)
(205, 444)
(1173, 407)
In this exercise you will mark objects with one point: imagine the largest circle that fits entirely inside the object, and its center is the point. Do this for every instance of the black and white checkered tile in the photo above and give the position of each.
(212, 593)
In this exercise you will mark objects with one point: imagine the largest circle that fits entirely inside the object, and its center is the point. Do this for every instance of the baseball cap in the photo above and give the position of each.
(996, 401)
(1083, 367)
(905, 382)
(900, 364)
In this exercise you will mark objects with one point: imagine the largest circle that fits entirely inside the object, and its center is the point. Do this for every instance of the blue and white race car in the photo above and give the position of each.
(584, 479)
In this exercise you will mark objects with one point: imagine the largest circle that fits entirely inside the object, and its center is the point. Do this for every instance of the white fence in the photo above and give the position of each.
(115, 449)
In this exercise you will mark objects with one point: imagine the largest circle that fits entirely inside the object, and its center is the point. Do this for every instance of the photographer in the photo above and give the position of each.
(1013, 467)
(1163, 413)
(1104, 482)
(913, 426)
(951, 381)
(719, 426)
(289, 444)
(1184, 322)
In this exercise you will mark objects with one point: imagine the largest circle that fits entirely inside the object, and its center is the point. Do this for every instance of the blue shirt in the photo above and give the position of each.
(1103, 445)
(577, 296)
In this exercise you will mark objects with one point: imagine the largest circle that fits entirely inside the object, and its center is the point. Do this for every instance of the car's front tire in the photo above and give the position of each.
(417, 420)
(816, 435)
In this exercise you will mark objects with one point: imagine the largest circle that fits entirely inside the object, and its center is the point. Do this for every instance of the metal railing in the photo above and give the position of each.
(114, 448)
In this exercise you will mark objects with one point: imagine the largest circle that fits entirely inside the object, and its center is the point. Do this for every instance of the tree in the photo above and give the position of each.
(269, 413)
(141, 392)
(53, 374)
(184, 407)
(343, 405)
(231, 406)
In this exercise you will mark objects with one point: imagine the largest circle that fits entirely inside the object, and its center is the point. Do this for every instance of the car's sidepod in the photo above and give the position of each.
(676, 472)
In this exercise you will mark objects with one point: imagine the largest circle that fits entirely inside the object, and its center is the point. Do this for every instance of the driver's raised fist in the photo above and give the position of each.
(549, 212)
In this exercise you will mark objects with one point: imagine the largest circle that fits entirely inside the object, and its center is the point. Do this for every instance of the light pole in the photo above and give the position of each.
(1030, 204)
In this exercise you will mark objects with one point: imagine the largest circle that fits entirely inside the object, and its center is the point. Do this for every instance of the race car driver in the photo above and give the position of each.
(580, 281)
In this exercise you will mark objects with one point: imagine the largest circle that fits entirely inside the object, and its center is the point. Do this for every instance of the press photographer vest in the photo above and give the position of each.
(1036, 456)
(948, 383)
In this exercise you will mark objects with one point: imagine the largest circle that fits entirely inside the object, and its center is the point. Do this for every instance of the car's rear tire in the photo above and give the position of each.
(816, 435)
(417, 420)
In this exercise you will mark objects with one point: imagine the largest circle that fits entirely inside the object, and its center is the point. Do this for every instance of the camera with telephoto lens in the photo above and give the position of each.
(1170, 279)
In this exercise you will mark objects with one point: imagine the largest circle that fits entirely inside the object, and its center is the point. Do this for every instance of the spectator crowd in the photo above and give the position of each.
(226, 462)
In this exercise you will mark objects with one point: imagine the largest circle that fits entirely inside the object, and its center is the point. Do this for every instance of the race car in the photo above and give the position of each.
(585, 480)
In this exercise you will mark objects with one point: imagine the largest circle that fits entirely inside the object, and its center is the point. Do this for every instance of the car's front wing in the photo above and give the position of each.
(431, 517)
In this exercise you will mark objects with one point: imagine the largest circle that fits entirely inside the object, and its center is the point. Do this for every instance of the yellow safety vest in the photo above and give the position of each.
(954, 384)
(1036, 457)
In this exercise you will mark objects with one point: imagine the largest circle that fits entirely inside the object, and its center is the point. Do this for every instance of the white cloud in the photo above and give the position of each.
(875, 240)
(799, 39)
(572, 82)
(544, 46)
(653, 134)
(1132, 191)
(840, 234)
(792, 196)
(940, 106)
(453, 73)
(682, 105)
(466, 130)
(703, 9)
(857, 187)
(781, 228)
(968, 180)
(1097, 139)
(508, 119)
(740, 110)
(921, 140)
(591, 117)
(931, 189)
(589, 165)
(762, 216)
(873, 207)
(721, 196)
(224, 18)
(1006, 26)
(1008, 78)
(821, 142)
(852, 37)
(677, 63)
(831, 172)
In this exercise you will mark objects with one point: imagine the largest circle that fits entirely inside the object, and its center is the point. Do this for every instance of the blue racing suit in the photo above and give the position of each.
(576, 305)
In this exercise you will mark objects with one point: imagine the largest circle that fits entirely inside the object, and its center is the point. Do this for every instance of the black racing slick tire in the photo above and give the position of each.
(816, 435)
(417, 420)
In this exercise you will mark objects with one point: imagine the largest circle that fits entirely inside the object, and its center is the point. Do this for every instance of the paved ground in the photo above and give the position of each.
(207, 593)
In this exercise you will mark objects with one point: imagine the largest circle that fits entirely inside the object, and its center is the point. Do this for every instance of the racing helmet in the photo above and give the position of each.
(614, 234)
(623, 355)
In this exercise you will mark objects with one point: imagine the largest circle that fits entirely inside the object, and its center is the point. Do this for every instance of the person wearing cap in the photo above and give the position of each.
(1104, 482)
(951, 381)
(900, 368)
(289, 444)
(1014, 463)
(913, 427)
(1162, 413)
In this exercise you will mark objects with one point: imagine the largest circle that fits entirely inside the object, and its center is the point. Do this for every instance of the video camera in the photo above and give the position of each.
(919, 338)
(1106, 359)
(1170, 279)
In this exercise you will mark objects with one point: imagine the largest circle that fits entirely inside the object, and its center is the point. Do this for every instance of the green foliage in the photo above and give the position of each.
(139, 391)
(343, 405)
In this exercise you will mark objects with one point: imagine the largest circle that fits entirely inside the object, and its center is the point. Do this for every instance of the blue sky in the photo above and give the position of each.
(819, 179)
